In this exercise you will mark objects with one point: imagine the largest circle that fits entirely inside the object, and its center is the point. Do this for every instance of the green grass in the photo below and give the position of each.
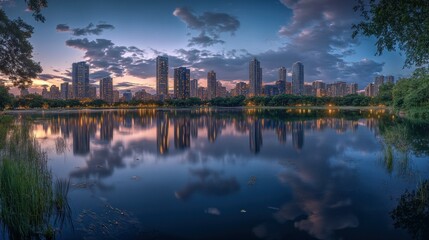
(28, 201)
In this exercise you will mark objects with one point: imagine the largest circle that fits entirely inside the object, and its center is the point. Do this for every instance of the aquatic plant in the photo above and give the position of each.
(29, 205)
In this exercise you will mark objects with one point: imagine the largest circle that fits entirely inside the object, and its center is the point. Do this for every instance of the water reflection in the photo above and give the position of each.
(317, 171)
(83, 127)
(209, 182)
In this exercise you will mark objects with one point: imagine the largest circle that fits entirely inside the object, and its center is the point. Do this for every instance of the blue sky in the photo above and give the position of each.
(121, 39)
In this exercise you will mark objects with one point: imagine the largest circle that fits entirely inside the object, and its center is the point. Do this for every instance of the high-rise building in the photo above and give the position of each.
(182, 77)
(281, 86)
(309, 90)
(298, 78)
(378, 81)
(106, 89)
(202, 93)
(255, 78)
(92, 92)
(319, 88)
(65, 93)
(369, 90)
(211, 85)
(115, 96)
(288, 87)
(241, 89)
(80, 79)
(45, 92)
(54, 92)
(128, 96)
(353, 88)
(390, 79)
(282, 74)
(162, 76)
(194, 88)
(221, 90)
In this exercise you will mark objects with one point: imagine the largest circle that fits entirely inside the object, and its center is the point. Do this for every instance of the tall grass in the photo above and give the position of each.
(28, 202)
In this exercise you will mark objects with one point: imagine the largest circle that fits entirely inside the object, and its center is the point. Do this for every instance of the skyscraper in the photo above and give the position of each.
(211, 85)
(281, 83)
(80, 79)
(162, 76)
(65, 93)
(194, 88)
(92, 92)
(298, 78)
(55, 92)
(390, 79)
(182, 77)
(255, 78)
(106, 89)
(282, 74)
(378, 81)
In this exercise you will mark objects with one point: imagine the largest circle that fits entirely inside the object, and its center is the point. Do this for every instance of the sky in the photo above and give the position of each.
(121, 39)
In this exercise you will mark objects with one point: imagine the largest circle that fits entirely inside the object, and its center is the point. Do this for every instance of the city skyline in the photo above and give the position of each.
(207, 36)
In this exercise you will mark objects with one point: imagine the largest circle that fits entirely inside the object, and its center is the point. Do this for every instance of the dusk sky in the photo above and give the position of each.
(123, 38)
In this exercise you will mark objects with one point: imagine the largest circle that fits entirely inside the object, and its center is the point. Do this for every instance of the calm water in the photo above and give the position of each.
(230, 174)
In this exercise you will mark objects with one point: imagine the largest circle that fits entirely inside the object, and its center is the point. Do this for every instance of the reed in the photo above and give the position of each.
(29, 204)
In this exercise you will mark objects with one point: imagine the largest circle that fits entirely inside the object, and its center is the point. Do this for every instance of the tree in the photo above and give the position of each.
(397, 23)
(5, 98)
(16, 52)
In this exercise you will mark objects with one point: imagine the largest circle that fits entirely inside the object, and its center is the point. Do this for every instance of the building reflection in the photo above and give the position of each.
(281, 132)
(214, 128)
(194, 128)
(162, 126)
(255, 136)
(83, 126)
(81, 136)
(182, 133)
(106, 126)
(298, 134)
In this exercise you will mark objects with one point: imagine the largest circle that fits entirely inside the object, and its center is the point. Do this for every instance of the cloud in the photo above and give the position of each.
(318, 35)
(103, 55)
(204, 40)
(91, 29)
(210, 183)
(99, 75)
(46, 77)
(62, 28)
(210, 25)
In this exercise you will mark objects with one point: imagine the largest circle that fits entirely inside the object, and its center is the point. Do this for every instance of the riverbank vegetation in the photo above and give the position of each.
(31, 205)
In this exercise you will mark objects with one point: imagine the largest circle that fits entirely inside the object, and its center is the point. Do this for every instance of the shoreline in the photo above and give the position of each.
(75, 110)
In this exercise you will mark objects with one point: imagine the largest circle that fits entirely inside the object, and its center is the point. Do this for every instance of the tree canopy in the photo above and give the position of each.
(16, 52)
(402, 24)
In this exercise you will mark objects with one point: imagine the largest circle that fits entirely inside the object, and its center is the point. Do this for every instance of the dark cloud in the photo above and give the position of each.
(62, 28)
(125, 85)
(204, 40)
(318, 35)
(97, 75)
(46, 77)
(91, 29)
(104, 55)
(210, 25)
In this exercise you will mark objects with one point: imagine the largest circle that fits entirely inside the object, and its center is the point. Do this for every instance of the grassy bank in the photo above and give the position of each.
(29, 203)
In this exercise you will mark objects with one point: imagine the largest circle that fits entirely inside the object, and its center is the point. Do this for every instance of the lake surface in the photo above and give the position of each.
(232, 174)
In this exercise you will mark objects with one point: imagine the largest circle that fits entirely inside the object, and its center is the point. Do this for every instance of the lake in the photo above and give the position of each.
(236, 173)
